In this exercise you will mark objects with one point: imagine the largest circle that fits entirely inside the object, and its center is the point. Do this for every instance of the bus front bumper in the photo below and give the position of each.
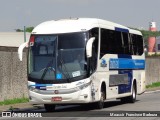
(77, 97)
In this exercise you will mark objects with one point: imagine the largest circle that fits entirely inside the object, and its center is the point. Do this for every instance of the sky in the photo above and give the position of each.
(15, 14)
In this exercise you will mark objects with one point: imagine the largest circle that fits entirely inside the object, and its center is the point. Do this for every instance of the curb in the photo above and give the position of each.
(152, 91)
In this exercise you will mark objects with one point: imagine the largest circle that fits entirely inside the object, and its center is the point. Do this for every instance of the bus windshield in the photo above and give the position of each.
(57, 58)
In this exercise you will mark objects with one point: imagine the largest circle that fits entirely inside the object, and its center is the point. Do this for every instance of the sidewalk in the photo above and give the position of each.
(152, 89)
(29, 106)
(16, 106)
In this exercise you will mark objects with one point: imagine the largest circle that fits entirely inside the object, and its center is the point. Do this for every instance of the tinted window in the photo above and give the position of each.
(126, 44)
(136, 44)
(115, 42)
(94, 33)
(158, 46)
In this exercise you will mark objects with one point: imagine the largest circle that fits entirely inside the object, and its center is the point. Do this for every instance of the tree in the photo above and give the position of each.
(28, 29)
(18, 30)
(146, 34)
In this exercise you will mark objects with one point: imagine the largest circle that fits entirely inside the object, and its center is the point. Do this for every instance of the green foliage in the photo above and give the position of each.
(147, 33)
(153, 55)
(28, 29)
(14, 101)
(156, 84)
(18, 30)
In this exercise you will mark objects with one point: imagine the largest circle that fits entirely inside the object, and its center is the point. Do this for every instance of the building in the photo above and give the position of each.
(12, 39)
(152, 39)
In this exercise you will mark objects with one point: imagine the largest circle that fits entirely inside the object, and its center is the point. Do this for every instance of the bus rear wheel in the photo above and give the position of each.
(49, 107)
(132, 98)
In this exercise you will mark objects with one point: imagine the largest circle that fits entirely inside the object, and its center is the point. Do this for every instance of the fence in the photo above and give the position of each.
(13, 77)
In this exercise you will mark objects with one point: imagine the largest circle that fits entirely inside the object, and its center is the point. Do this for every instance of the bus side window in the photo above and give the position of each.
(94, 33)
(140, 44)
(118, 43)
(134, 44)
(131, 44)
(104, 47)
(125, 43)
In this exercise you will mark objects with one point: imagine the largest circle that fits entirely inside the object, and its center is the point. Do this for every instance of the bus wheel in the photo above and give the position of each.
(100, 104)
(49, 107)
(132, 98)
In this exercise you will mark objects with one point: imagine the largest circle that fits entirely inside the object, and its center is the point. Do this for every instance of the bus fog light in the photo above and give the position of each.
(30, 97)
(85, 96)
(31, 88)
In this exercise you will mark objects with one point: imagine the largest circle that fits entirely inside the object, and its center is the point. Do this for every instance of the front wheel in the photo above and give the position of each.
(49, 107)
(100, 104)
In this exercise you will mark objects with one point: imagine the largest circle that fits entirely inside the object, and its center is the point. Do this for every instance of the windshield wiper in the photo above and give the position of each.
(68, 76)
(47, 67)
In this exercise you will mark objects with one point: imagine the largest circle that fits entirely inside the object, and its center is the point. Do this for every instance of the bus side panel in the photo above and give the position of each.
(140, 81)
(125, 88)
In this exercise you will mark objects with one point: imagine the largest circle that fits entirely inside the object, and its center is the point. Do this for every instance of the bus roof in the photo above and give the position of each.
(77, 25)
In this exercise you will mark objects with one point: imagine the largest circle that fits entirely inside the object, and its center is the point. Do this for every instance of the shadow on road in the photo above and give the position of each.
(85, 110)
(75, 108)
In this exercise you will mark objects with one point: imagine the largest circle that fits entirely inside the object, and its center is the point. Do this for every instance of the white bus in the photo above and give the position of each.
(84, 60)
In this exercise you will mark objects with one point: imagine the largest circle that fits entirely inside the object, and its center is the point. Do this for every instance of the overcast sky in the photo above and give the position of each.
(133, 13)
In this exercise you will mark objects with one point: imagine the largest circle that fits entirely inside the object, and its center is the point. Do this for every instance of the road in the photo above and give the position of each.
(146, 102)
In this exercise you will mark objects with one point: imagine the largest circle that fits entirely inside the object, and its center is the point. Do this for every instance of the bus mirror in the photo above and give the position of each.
(20, 50)
(89, 47)
(145, 49)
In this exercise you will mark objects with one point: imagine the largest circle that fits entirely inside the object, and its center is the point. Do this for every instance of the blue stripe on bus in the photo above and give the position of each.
(41, 86)
(121, 30)
(124, 63)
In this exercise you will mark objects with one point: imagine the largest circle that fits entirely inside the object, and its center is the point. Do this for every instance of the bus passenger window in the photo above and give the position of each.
(94, 33)
(118, 43)
(125, 43)
(107, 42)
(140, 44)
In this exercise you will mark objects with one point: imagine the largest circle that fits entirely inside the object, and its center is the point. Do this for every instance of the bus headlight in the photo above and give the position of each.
(32, 88)
(82, 86)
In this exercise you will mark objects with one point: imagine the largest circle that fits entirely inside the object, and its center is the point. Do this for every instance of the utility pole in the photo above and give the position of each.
(24, 34)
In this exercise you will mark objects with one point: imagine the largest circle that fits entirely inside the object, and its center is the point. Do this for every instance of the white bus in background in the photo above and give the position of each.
(84, 60)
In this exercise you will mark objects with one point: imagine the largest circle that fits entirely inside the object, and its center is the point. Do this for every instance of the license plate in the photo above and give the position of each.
(56, 98)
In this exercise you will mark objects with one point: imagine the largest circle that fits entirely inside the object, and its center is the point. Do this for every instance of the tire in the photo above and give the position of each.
(132, 98)
(49, 107)
(100, 103)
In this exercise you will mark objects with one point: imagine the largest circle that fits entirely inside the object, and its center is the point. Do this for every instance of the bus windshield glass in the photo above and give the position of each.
(58, 57)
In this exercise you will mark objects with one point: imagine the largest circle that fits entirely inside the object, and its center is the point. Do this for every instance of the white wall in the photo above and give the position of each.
(12, 39)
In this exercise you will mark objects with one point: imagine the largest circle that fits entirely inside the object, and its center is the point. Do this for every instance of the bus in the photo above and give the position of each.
(84, 61)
